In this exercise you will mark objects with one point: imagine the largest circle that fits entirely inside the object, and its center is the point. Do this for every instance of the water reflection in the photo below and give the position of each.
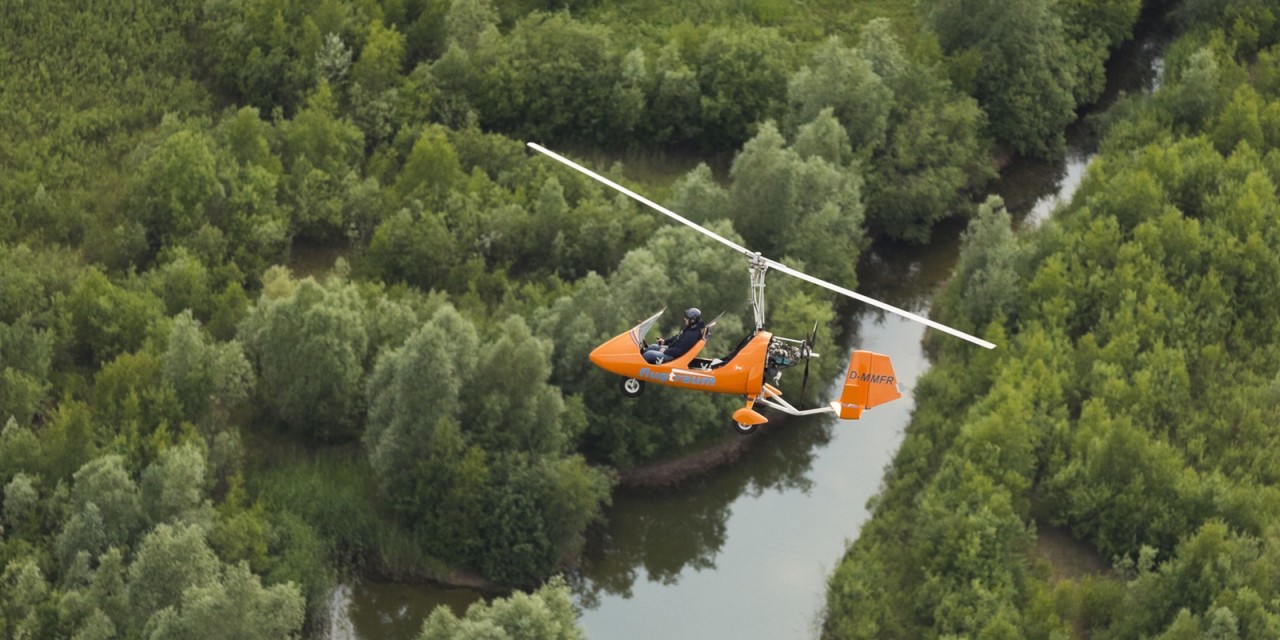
(658, 536)
(391, 610)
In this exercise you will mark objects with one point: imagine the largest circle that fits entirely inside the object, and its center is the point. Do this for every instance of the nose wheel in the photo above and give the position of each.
(631, 387)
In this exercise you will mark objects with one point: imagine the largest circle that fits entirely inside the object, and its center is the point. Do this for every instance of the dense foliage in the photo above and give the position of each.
(204, 422)
(1134, 401)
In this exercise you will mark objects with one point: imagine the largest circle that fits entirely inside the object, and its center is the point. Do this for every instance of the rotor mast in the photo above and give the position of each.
(759, 266)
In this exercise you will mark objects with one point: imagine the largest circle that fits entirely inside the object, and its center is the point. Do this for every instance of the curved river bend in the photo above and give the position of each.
(745, 551)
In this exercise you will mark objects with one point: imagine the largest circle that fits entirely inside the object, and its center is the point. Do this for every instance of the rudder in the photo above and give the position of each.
(869, 383)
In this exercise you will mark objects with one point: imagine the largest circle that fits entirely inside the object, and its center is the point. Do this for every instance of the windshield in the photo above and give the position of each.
(638, 332)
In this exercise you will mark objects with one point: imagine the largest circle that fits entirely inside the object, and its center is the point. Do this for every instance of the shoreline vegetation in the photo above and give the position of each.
(1053, 490)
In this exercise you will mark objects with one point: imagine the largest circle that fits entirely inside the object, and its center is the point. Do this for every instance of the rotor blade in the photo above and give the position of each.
(773, 264)
(639, 198)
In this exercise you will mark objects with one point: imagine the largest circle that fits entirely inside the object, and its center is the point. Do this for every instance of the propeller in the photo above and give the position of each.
(808, 355)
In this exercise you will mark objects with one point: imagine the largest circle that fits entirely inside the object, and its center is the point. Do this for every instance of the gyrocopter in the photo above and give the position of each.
(755, 365)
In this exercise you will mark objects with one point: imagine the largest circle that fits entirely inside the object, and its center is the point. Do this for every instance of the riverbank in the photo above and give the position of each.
(668, 473)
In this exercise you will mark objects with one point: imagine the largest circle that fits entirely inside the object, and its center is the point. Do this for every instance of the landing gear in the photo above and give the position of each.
(745, 429)
(631, 387)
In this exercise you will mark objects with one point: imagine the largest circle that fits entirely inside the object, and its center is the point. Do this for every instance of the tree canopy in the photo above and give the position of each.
(283, 295)
(1134, 406)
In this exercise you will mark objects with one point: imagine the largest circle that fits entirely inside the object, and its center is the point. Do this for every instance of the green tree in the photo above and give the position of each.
(1020, 64)
(20, 450)
(26, 592)
(182, 282)
(210, 379)
(934, 153)
(510, 406)
(414, 247)
(988, 267)
(1195, 95)
(21, 505)
(168, 562)
(697, 196)
(764, 190)
(108, 590)
(840, 79)
(934, 158)
(674, 110)
(376, 78)
(742, 79)
(105, 483)
(546, 614)
(176, 187)
(379, 66)
(233, 607)
(1240, 122)
(455, 480)
(263, 52)
(467, 19)
(309, 347)
(805, 208)
(824, 137)
(321, 149)
(84, 533)
(550, 77)
(1094, 28)
(173, 488)
(401, 417)
(26, 352)
(450, 462)
(108, 320)
(431, 170)
(536, 514)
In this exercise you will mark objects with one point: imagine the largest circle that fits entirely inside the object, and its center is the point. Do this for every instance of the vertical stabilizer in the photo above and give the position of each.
(870, 382)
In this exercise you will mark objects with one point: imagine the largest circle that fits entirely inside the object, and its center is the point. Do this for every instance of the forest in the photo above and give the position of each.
(1137, 401)
(284, 298)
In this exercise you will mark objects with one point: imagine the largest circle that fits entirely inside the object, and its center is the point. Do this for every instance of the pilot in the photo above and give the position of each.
(677, 345)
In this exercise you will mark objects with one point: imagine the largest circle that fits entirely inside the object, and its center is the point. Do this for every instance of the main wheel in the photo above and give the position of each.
(631, 387)
(744, 429)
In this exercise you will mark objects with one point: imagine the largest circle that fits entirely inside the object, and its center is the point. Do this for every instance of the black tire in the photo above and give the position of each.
(745, 429)
(631, 387)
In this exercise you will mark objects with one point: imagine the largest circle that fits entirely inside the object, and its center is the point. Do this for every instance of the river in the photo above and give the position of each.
(745, 551)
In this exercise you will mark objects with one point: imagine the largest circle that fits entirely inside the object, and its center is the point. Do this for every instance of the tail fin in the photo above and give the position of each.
(870, 382)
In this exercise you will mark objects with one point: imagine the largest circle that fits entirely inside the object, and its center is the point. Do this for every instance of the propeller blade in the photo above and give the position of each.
(773, 264)
(805, 382)
(808, 357)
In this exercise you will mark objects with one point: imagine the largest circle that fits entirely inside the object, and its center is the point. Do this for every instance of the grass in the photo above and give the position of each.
(334, 491)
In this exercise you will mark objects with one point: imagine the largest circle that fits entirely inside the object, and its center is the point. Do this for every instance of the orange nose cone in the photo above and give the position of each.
(617, 355)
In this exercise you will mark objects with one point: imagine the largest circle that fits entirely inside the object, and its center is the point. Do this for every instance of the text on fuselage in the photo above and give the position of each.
(677, 376)
(871, 378)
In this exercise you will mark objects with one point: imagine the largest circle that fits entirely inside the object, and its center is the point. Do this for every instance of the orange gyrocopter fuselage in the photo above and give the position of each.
(870, 379)
(742, 374)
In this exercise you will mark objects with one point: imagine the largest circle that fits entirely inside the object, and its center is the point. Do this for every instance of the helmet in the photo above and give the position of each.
(692, 314)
